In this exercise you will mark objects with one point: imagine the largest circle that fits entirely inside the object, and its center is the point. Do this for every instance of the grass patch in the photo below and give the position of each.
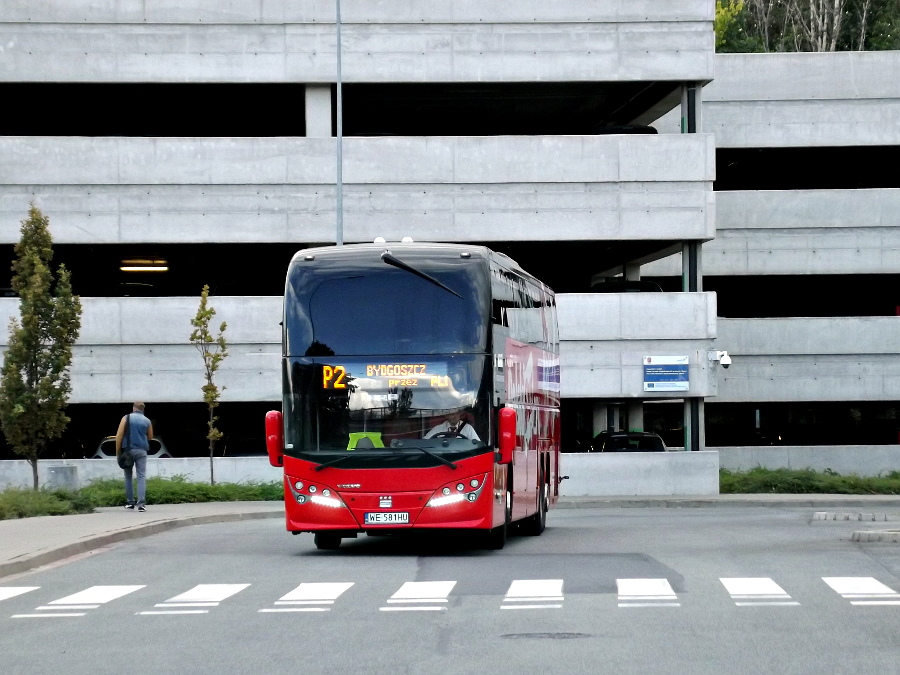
(19, 503)
(792, 481)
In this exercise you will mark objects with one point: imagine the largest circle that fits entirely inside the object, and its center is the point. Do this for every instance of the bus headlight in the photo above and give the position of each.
(317, 495)
(446, 495)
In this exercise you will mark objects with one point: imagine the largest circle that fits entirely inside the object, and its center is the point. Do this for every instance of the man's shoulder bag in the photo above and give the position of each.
(124, 456)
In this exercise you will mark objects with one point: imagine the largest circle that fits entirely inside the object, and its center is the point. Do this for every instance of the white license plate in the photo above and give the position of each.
(387, 518)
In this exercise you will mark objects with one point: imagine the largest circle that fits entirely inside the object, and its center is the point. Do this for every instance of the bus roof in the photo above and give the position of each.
(396, 247)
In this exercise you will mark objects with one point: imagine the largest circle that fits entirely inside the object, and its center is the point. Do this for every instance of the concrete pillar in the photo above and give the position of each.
(635, 415)
(694, 423)
(632, 272)
(318, 111)
(691, 266)
(599, 418)
(690, 108)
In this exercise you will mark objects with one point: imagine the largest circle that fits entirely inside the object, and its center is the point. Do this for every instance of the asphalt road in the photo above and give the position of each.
(617, 590)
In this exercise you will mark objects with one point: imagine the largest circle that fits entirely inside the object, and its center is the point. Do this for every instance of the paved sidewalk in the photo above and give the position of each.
(28, 543)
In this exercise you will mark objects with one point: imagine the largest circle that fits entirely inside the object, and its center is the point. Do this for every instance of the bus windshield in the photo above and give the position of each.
(390, 410)
(439, 304)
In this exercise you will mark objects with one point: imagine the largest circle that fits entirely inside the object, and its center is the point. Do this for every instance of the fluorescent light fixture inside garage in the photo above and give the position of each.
(144, 265)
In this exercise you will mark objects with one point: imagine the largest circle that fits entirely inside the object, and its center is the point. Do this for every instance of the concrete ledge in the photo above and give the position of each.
(862, 460)
(640, 473)
(76, 473)
(609, 474)
(892, 536)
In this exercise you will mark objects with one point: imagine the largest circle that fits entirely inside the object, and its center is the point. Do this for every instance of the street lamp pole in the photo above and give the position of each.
(339, 235)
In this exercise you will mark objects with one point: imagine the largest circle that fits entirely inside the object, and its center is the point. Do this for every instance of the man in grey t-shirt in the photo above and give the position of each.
(140, 431)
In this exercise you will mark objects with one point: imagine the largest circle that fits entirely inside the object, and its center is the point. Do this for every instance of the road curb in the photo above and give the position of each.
(98, 541)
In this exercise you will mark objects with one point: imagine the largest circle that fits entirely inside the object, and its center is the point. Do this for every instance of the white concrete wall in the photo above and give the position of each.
(168, 190)
(605, 336)
(800, 232)
(386, 41)
(862, 460)
(75, 473)
(640, 473)
(810, 359)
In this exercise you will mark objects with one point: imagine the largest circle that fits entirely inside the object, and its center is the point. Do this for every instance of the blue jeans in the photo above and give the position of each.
(140, 466)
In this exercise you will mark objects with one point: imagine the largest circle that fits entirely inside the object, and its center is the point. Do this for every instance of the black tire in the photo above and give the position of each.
(327, 541)
(496, 538)
(536, 524)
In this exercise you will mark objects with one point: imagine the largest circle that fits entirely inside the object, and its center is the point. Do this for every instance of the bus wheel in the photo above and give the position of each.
(536, 523)
(327, 541)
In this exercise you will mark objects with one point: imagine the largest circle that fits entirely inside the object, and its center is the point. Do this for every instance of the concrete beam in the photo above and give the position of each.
(800, 232)
(163, 190)
(137, 348)
(804, 99)
(389, 41)
(810, 359)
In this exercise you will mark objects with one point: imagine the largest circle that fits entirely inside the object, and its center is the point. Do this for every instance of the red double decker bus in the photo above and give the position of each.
(420, 392)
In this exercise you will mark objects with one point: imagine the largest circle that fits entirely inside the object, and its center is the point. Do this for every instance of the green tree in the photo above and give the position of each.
(34, 381)
(807, 25)
(727, 12)
(213, 350)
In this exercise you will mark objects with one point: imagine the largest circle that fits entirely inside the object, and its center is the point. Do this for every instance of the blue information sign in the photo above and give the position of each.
(666, 373)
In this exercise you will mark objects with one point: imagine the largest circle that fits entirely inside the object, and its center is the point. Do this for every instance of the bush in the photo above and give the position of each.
(807, 481)
(176, 490)
(17, 503)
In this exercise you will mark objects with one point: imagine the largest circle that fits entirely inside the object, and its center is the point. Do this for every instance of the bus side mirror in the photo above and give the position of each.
(275, 437)
(507, 429)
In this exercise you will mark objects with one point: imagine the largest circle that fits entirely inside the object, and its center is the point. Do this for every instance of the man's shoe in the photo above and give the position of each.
(141, 508)
(130, 507)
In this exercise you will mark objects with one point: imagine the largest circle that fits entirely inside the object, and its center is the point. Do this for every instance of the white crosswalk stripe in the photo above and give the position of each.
(435, 596)
(863, 590)
(7, 592)
(534, 594)
(314, 597)
(90, 598)
(420, 596)
(756, 591)
(646, 593)
(202, 595)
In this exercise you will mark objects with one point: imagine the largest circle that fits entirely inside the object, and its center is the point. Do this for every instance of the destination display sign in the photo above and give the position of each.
(387, 375)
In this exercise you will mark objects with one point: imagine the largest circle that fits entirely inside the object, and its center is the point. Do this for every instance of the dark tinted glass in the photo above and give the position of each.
(362, 306)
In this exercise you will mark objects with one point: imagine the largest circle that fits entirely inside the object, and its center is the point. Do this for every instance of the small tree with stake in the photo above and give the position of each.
(213, 350)
(34, 381)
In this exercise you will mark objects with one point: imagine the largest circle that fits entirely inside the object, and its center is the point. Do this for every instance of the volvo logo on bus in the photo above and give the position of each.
(385, 502)
(349, 486)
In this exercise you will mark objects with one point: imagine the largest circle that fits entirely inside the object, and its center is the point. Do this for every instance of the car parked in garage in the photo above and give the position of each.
(628, 441)
(107, 449)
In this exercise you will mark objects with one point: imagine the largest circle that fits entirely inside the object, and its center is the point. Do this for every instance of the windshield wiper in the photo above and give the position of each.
(335, 461)
(442, 460)
(391, 260)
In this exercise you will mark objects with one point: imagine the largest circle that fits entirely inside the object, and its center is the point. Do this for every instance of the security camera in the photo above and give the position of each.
(724, 359)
